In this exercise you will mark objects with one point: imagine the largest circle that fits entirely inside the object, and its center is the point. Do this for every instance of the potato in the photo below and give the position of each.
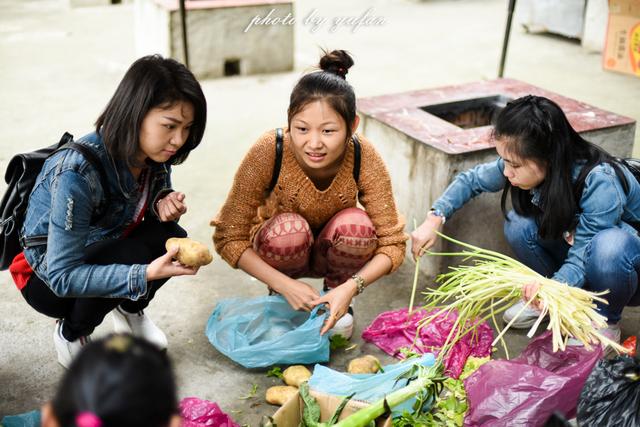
(364, 365)
(191, 253)
(278, 395)
(295, 375)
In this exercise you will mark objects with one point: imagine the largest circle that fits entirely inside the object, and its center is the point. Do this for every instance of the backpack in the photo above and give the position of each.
(279, 150)
(633, 165)
(21, 175)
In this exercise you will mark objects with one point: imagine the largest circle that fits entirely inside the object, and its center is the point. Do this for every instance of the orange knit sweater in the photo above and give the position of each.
(247, 207)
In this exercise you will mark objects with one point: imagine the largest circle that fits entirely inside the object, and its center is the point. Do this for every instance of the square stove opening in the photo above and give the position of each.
(470, 113)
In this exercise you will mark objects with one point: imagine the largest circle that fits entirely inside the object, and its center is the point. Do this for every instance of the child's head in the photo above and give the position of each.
(322, 112)
(118, 381)
(158, 112)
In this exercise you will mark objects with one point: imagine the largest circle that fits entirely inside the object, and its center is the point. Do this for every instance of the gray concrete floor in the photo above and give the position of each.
(59, 66)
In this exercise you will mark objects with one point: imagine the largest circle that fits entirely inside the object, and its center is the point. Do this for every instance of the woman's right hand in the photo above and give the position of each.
(424, 237)
(298, 294)
(164, 267)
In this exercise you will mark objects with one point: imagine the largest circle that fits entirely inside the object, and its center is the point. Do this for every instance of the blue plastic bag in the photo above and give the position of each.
(266, 331)
(367, 387)
(30, 419)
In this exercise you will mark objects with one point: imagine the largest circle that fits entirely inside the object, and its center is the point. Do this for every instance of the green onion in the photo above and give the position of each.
(494, 282)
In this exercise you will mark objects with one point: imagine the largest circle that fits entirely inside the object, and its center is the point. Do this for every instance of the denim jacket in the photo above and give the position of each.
(603, 205)
(68, 204)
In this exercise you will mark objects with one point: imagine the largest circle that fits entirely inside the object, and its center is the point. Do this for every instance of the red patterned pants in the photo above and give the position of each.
(345, 244)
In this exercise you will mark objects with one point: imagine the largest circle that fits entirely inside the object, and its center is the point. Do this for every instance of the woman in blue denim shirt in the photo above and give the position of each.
(574, 207)
(105, 249)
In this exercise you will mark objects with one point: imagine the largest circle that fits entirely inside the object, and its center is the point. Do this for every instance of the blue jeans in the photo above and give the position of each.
(612, 261)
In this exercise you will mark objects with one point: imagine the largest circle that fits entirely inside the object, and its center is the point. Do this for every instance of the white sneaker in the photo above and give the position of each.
(344, 325)
(611, 331)
(139, 325)
(67, 350)
(525, 320)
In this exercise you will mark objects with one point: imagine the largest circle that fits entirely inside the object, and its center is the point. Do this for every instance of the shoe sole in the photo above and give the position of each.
(522, 324)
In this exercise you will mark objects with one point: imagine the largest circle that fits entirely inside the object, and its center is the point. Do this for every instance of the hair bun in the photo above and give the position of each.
(336, 62)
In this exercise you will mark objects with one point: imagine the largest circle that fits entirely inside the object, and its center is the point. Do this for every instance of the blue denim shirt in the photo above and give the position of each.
(603, 205)
(67, 204)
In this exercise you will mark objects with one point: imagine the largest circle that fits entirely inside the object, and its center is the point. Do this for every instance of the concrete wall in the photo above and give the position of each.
(216, 35)
(595, 25)
(618, 141)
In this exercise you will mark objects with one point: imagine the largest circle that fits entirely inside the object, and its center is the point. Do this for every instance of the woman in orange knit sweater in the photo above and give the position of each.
(307, 224)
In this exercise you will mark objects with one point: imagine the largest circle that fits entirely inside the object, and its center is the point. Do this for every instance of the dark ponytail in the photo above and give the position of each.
(329, 85)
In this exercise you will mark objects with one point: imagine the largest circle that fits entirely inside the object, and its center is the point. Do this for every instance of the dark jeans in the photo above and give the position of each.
(612, 261)
(82, 315)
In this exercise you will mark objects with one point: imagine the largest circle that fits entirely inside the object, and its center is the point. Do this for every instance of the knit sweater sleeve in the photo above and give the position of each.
(376, 196)
(235, 219)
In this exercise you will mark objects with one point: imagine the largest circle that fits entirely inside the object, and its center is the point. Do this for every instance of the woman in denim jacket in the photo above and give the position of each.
(105, 247)
(574, 207)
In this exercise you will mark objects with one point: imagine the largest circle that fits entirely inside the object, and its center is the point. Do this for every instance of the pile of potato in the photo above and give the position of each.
(297, 374)
(293, 377)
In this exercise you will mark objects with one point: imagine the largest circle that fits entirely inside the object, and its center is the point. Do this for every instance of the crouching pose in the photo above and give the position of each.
(576, 209)
(293, 214)
(103, 249)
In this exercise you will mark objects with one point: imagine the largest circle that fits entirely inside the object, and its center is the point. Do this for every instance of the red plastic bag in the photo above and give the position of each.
(200, 413)
(392, 331)
(528, 389)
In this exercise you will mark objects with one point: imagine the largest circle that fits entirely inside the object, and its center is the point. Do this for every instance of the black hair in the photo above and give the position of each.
(151, 82)
(123, 380)
(535, 128)
(329, 85)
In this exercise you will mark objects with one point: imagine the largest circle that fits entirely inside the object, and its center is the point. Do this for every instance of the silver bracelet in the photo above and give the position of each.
(360, 284)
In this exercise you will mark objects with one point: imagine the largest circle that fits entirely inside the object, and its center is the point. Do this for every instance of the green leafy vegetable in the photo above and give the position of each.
(276, 372)
(311, 412)
(251, 394)
(338, 341)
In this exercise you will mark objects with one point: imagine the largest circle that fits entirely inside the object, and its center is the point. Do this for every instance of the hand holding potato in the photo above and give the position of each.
(164, 267)
(190, 252)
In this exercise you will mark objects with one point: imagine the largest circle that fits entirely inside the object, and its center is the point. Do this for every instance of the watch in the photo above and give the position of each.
(360, 283)
(438, 213)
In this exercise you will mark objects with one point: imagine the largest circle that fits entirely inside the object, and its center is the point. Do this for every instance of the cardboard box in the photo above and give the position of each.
(290, 414)
(622, 47)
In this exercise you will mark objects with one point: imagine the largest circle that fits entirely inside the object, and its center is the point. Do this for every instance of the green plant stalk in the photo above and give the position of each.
(413, 290)
(364, 416)
(415, 280)
(501, 272)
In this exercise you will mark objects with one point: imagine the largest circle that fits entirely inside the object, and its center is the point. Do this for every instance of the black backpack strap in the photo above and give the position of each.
(66, 142)
(356, 157)
(278, 163)
(66, 139)
(92, 158)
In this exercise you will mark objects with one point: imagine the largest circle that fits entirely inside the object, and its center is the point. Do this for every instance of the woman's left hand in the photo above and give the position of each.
(338, 300)
(528, 293)
(171, 207)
